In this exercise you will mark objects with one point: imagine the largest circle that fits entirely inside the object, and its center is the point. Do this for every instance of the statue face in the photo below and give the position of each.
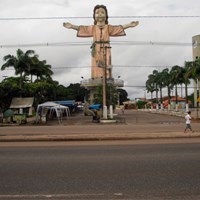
(100, 15)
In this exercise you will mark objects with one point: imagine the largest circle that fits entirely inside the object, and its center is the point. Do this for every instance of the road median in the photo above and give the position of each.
(96, 137)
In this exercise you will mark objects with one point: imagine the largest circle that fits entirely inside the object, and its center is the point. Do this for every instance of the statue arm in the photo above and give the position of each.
(130, 25)
(70, 26)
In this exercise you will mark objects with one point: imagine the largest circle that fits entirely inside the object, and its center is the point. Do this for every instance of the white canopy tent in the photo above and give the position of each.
(50, 108)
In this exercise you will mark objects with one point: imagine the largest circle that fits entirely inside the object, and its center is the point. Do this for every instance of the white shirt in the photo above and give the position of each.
(188, 119)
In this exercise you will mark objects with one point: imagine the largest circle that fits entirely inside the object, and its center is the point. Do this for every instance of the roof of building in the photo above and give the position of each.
(20, 102)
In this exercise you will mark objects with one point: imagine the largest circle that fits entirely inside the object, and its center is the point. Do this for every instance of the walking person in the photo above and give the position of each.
(188, 119)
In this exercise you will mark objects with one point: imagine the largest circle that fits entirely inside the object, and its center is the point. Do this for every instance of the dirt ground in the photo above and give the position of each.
(128, 117)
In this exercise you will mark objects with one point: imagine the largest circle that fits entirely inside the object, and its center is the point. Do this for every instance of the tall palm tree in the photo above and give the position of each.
(160, 82)
(176, 73)
(194, 73)
(186, 81)
(21, 62)
(150, 86)
(156, 77)
(30, 70)
(41, 69)
(167, 83)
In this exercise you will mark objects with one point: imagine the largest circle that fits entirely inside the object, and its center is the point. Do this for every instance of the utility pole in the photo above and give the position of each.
(105, 114)
(105, 110)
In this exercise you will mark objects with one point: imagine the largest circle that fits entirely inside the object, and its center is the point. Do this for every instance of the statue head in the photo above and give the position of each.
(97, 7)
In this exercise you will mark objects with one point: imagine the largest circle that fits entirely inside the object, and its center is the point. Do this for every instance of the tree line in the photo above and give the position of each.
(171, 79)
(34, 79)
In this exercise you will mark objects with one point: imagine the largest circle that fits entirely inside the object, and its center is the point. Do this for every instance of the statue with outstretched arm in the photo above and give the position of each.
(101, 32)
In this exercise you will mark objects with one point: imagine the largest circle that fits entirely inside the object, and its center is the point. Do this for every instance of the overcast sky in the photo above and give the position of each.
(138, 48)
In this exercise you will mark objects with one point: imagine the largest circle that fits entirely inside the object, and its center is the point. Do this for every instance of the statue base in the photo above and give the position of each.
(108, 121)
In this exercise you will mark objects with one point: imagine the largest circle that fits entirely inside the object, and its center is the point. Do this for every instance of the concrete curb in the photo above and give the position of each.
(96, 137)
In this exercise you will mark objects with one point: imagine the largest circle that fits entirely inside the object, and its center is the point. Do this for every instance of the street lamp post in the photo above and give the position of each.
(105, 48)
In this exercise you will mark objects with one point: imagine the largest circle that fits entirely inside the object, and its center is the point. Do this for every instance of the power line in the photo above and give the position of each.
(53, 44)
(79, 17)
(142, 66)
(153, 43)
(135, 86)
(87, 43)
(143, 86)
(114, 66)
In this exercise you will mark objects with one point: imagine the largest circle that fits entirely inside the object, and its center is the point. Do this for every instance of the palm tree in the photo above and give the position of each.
(30, 70)
(150, 85)
(176, 73)
(21, 62)
(156, 78)
(160, 82)
(186, 81)
(167, 83)
(40, 69)
(194, 73)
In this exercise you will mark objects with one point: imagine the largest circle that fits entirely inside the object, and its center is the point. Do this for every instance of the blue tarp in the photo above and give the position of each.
(69, 103)
(95, 107)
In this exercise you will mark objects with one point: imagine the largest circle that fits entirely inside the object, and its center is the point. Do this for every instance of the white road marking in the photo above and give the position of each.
(29, 196)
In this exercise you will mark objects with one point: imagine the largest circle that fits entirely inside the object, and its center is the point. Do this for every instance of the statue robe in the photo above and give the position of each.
(101, 39)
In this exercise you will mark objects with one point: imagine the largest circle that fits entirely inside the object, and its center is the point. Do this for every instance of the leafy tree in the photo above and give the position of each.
(141, 104)
(123, 95)
(76, 92)
(9, 88)
(112, 95)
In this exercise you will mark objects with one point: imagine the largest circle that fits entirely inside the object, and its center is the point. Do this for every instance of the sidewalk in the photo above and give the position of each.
(132, 125)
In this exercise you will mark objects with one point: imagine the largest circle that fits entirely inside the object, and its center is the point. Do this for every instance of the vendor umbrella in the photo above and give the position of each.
(8, 113)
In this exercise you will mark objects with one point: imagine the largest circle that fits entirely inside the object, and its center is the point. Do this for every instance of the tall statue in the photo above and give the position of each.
(101, 32)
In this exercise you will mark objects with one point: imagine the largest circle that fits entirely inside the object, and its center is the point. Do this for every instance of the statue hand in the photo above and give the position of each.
(134, 23)
(67, 25)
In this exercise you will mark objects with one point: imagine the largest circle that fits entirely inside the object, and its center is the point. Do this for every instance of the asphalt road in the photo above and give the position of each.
(147, 170)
